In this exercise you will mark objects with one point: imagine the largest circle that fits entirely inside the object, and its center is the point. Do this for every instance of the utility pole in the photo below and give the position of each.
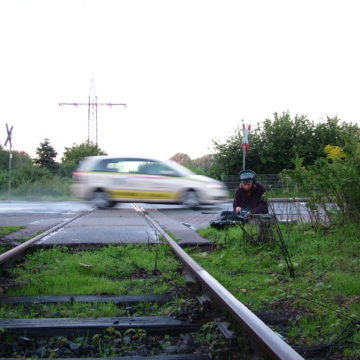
(8, 141)
(92, 105)
(245, 143)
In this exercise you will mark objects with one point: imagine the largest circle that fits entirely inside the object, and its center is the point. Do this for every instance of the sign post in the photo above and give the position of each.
(245, 142)
(8, 140)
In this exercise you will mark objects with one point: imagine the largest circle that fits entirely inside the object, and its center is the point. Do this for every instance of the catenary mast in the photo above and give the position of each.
(92, 105)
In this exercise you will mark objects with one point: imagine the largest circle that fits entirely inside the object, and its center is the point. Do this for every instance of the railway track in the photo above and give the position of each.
(215, 305)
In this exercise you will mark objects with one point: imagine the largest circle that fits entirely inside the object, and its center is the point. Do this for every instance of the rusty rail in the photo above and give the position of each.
(265, 340)
(20, 249)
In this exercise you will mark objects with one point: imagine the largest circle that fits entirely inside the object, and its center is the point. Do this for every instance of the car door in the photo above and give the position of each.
(160, 180)
(135, 179)
(126, 185)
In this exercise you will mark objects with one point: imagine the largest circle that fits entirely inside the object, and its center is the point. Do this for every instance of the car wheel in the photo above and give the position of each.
(101, 200)
(190, 199)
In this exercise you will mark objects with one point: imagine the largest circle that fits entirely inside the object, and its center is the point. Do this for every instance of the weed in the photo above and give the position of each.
(5, 230)
(57, 271)
(324, 294)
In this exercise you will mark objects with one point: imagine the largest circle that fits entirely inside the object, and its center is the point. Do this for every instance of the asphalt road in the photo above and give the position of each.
(37, 217)
(118, 225)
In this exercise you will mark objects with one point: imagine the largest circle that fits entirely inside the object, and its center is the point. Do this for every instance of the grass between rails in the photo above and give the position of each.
(110, 270)
(94, 310)
(118, 270)
(58, 271)
(130, 269)
(324, 296)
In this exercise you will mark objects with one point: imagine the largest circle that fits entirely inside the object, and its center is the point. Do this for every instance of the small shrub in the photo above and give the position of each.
(333, 187)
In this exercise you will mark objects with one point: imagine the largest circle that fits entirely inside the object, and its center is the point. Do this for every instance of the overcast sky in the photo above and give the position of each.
(190, 71)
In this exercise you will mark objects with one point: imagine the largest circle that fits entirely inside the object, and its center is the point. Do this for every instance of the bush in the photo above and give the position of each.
(32, 182)
(43, 189)
(25, 174)
(73, 155)
(333, 186)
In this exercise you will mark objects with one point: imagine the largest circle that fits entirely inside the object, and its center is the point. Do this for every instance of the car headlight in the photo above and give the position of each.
(215, 186)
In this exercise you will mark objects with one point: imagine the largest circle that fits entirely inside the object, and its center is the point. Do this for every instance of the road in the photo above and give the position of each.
(118, 225)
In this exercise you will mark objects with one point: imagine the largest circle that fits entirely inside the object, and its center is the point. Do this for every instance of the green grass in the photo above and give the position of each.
(120, 270)
(92, 309)
(57, 271)
(324, 294)
(5, 230)
(111, 270)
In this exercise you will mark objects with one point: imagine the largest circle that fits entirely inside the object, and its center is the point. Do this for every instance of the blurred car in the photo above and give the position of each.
(107, 180)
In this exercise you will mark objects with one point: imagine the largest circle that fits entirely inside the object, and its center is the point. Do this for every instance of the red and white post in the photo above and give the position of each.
(245, 142)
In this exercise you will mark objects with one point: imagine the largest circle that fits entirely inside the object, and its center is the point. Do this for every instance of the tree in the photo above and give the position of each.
(19, 159)
(204, 163)
(228, 156)
(20, 165)
(282, 139)
(278, 142)
(46, 156)
(198, 166)
(73, 155)
(181, 158)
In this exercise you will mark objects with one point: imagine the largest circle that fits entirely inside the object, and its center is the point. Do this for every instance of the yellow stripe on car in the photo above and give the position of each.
(153, 195)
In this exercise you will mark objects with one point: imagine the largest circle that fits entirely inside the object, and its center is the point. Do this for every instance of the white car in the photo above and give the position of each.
(107, 180)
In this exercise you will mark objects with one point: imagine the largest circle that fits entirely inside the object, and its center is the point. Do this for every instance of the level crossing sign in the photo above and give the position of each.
(8, 139)
(245, 140)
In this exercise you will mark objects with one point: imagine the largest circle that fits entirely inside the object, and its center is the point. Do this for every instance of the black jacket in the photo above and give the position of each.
(251, 199)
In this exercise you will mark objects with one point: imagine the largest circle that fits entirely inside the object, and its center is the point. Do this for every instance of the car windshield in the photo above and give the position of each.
(182, 170)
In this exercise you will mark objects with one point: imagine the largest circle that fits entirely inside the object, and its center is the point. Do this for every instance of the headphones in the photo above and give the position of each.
(246, 175)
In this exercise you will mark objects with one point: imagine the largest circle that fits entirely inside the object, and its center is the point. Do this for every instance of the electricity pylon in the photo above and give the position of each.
(92, 105)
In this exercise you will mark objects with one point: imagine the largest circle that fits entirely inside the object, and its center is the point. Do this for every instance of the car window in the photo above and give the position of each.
(119, 165)
(135, 166)
(156, 168)
(106, 165)
(168, 171)
(129, 166)
(181, 170)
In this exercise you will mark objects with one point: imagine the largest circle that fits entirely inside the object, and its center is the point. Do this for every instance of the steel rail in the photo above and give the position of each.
(18, 250)
(268, 342)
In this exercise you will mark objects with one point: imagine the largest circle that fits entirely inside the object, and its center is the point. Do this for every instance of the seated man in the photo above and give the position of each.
(248, 200)
(249, 194)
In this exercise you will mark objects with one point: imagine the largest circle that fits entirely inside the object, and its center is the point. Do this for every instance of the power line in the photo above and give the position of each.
(92, 105)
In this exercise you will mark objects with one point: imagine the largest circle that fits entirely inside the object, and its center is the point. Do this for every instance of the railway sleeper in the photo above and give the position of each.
(34, 328)
(136, 357)
(68, 326)
(116, 299)
(153, 325)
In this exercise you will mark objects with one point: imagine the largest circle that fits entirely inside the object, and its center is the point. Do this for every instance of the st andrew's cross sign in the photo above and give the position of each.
(8, 139)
